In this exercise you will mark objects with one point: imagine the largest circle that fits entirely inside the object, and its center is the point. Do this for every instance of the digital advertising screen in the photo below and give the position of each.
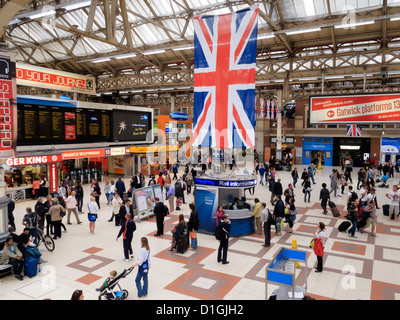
(131, 125)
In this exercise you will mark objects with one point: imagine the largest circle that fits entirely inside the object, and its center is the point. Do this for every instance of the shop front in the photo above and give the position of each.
(25, 170)
(356, 149)
(318, 149)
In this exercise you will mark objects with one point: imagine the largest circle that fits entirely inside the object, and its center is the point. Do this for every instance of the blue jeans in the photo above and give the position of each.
(352, 230)
(305, 194)
(80, 203)
(142, 290)
(193, 243)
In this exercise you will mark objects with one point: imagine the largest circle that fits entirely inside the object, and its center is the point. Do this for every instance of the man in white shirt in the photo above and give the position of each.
(71, 207)
(363, 195)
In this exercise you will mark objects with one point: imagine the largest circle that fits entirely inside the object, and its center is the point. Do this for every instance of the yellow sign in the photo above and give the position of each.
(153, 149)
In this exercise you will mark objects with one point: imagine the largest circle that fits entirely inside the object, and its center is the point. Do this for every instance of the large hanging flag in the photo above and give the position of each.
(353, 130)
(272, 109)
(224, 80)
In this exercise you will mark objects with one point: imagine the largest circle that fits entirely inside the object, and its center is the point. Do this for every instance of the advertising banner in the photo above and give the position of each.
(8, 106)
(28, 75)
(28, 161)
(76, 154)
(355, 109)
(53, 178)
(206, 206)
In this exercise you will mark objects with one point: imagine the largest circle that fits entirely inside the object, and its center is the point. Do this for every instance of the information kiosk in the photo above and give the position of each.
(222, 189)
(143, 201)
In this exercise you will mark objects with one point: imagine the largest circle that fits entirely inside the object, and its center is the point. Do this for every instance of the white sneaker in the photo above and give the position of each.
(127, 260)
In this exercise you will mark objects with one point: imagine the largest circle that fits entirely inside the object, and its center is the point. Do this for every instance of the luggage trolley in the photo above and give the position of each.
(282, 271)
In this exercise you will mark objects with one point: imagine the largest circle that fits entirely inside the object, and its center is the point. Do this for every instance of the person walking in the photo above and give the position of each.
(267, 219)
(319, 242)
(10, 212)
(93, 209)
(189, 182)
(159, 211)
(120, 186)
(334, 181)
(394, 197)
(107, 188)
(71, 207)
(116, 203)
(193, 226)
(295, 176)
(262, 172)
(225, 226)
(97, 193)
(128, 227)
(124, 209)
(79, 196)
(171, 197)
(56, 213)
(310, 172)
(179, 194)
(144, 265)
(307, 189)
(324, 196)
(257, 215)
(352, 216)
(279, 214)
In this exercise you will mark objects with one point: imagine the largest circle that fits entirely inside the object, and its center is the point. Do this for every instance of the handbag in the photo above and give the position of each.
(92, 216)
(145, 265)
(282, 224)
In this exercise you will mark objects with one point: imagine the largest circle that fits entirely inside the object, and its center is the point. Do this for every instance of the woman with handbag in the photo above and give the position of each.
(56, 212)
(143, 270)
(319, 241)
(116, 203)
(92, 215)
(96, 193)
(193, 225)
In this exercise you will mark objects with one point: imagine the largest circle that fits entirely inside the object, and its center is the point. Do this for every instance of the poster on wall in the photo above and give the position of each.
(206, 206)
(8, 109)
(360, 108)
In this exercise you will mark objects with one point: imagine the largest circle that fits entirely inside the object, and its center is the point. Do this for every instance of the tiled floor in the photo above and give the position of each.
(364, 268)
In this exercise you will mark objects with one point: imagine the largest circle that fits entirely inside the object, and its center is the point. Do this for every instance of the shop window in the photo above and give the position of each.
(377, 126)
(156, 112)
(318, 140)
(308, 139)
(184, 109)
(327, 140)
(332, 125)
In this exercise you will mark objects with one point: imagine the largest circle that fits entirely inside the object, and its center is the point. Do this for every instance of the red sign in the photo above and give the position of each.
(8, 107)
(53, 178)
(27, 161)
(70, 126)
(83, 154)
(364, 108)
(28, 75)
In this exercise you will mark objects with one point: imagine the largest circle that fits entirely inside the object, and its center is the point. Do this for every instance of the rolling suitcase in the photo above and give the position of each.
(331, 204)
(335, 212)
(182, 244)
(385, 209)
(344, 226)
(30, 267)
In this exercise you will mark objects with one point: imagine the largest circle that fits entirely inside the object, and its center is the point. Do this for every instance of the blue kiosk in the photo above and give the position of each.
(210, 191)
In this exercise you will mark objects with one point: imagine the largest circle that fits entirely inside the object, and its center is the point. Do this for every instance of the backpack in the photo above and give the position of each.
(219, 233)
(353, 196)
(270, 218)
(31, 220)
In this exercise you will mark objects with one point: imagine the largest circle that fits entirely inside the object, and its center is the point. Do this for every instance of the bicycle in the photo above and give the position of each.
(46, 239)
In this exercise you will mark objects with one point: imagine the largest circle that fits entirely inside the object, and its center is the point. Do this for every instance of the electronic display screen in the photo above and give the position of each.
(39, 124)
(131, 125)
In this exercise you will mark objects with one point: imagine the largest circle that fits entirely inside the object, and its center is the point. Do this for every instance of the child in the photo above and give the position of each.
(106, 283)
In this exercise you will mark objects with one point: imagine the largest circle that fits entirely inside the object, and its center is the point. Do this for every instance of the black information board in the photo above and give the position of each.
(39, 124)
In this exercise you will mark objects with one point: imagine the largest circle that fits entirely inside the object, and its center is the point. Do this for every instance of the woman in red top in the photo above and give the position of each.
(36, 188)
(220, 213)
(319, 240)
(161, 181)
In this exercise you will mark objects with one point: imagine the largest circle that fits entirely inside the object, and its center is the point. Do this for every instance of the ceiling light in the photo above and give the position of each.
(154, 52)
(356, 24)
(101, 60)
(302, 31)
(42, 14)
(265, 36)
(126, 56)
(183, 48)
(76, 5)
(395, 19)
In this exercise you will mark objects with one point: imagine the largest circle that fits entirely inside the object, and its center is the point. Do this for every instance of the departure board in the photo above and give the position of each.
(39, 124)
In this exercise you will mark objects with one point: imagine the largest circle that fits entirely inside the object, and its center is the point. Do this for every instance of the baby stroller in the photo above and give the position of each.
(107, 289)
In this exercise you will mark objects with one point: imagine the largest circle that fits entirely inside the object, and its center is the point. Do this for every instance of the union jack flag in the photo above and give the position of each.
(353, 130)
(262, 108)
(224, 80)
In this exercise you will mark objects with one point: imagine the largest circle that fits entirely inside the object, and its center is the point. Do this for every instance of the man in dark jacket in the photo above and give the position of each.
(124, 210)
(120, 186)
(225, 225)
(324, 196)
(278, 190)
(179, 192)
(10, 212)
(127, 229)
(79, 196)
(279, 213)
(160, 211)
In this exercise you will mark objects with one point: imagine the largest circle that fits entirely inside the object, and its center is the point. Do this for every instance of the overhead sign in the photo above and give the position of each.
(119, 151)
(33, 76)
(76, 154)
(363, 108)
(27, 161)
(8, 110)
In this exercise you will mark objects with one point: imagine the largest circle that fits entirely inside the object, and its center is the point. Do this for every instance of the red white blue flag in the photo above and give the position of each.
(261, 107)
(224, 81)
(268, 110)
(353, 130)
